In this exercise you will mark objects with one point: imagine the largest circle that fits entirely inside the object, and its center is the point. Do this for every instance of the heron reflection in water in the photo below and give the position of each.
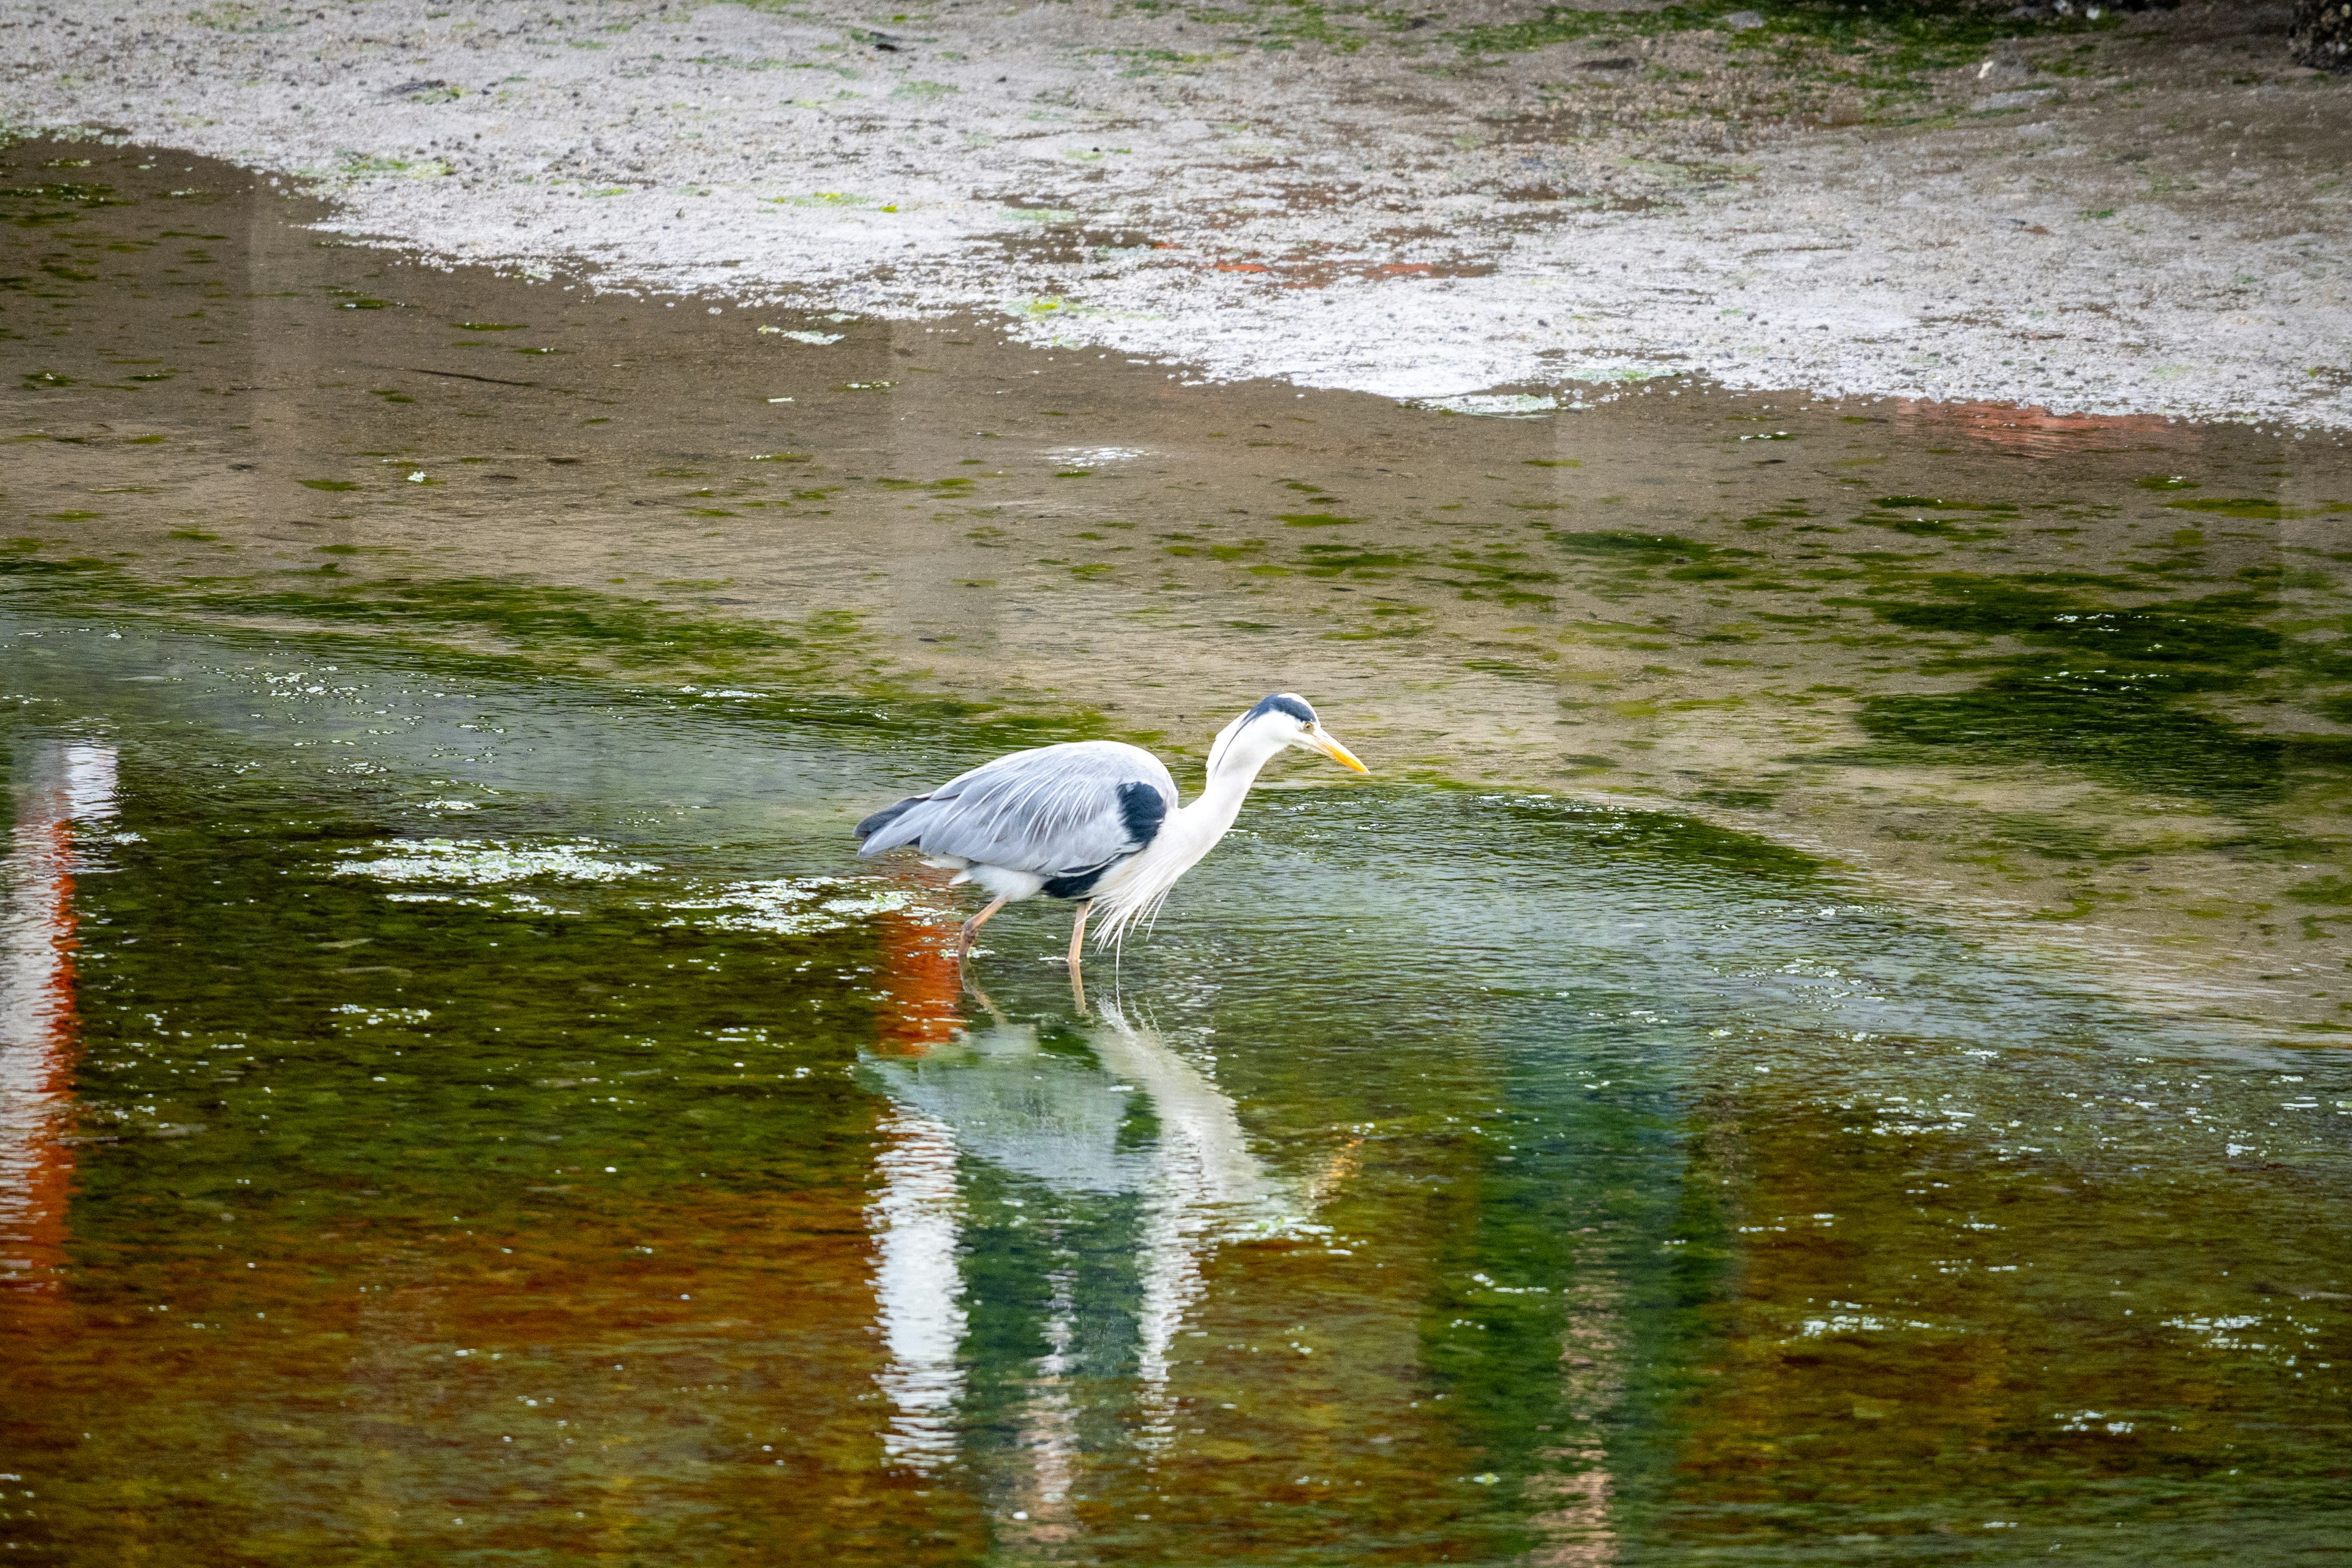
(1092, 821)
(1088, 1170)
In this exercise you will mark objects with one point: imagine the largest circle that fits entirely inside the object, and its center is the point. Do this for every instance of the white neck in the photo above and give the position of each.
(1136, 888)
(1228, 785)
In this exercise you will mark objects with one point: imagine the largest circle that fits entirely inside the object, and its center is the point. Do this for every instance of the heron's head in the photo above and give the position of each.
(1282, 720)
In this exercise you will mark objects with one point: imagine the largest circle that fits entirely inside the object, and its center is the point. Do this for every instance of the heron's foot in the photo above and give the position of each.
(971, 928)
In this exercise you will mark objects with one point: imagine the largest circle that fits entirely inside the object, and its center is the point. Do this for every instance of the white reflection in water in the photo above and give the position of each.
(60, 784)
(1049, 1426)
(1000, 1096)
(917, 1228)
(1204, 1186)
(1571, 1519)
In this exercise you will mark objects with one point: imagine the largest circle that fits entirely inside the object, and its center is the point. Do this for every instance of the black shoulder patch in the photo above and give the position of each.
(1284, 702)
(1141, 810)
(1078, 884)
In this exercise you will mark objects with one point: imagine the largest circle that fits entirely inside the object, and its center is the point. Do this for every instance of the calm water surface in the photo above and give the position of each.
(461, 1101)
(456, 1118)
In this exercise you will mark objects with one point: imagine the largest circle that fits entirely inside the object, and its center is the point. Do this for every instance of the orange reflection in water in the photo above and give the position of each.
(60, 785)
(2037, 430)
(923, 984)
(643, 1363)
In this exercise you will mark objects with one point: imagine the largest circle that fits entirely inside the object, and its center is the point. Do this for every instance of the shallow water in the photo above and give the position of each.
(464, 1100)
(503, 1105)
(2078, 684)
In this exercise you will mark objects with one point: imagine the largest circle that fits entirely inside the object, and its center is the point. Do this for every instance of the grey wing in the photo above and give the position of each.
(1054, 810)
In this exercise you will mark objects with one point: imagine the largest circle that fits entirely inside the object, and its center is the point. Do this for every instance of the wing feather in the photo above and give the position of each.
(1051, 811)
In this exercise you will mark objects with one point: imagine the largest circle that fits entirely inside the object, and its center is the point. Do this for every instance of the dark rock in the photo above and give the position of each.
(2320, 36)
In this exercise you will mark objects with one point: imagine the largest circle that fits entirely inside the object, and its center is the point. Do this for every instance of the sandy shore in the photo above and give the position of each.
(2142, 215)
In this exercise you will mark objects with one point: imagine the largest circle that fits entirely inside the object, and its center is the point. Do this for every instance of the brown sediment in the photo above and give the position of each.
(1870, 1319)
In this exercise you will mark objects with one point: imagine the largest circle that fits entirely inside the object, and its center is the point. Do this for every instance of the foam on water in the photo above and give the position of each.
(480, 863)
(790, 906)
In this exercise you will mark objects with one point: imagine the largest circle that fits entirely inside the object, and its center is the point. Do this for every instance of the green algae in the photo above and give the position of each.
(2328, 890)
(1330, 560)
(2221, 632)
(2256, 507)
(1935, 503)
(823, 669)
(1618, 547)
(2131, 731)
(1762, 867)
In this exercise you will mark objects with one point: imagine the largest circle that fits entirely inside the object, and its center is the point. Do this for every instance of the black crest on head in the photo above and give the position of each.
(1284, 702)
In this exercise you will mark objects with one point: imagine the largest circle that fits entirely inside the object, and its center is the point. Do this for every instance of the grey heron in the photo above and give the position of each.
(1092, 821)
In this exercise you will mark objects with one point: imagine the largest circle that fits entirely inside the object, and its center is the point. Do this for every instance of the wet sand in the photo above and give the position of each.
(2140, 213)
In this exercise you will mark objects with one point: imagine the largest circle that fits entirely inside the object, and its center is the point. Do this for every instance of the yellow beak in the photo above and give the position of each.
(1333, 750)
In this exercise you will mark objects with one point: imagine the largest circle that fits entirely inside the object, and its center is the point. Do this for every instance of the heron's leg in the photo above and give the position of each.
(982, 997)
(963, 946)
(1078, 943)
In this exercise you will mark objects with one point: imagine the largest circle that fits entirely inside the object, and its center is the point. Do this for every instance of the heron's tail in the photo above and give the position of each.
(876, 823)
